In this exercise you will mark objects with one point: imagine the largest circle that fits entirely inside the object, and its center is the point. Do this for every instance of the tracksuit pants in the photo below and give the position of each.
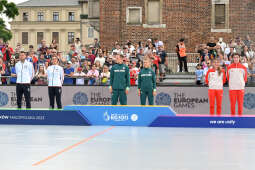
(55, 92)
(236, 95)
(119, 95)
(147, 94)
(20, 90)
(215, 95)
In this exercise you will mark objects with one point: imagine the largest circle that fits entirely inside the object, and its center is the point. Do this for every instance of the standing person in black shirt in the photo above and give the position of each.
(211, 46)
(163, 62)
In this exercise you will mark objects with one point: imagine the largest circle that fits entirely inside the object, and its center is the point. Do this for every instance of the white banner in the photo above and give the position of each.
(184, 100)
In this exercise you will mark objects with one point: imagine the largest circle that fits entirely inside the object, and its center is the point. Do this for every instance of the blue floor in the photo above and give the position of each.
(126, 148)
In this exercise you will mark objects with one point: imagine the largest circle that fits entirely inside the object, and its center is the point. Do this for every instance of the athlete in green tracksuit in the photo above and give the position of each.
(147, 83)
(119, 82)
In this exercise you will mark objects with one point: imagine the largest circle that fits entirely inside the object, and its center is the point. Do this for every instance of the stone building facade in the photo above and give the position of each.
(62, 20)
(170, 20)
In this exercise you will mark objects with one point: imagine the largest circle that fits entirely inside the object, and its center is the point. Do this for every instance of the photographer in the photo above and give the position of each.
(7, 52)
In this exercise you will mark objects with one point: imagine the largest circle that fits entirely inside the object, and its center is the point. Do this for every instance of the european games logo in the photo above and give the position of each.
(249, 101)
(80, 98)
(3, 99)
(119, 117)
(163, 99)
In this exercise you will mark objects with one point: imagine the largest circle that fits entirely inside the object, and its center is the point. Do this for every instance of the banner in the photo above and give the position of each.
(122, 115)
(42, 117)
(183, 100)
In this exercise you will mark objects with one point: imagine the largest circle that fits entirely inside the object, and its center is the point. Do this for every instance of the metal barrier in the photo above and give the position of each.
(173, 63)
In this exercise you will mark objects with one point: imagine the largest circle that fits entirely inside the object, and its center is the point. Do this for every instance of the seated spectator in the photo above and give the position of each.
(75, 64)
(40, 77)
(109, 62)
(98, 66)
(48, 54)
(117, 50)
(199, 74)
(80, 76)
(133, 71)
(105, 75)
(245, 52)
(2, 71)
(41, 60)
(156, 60)
(54, 44)
(93, 75)
(68, 71)
(211, 46)
(77, 44)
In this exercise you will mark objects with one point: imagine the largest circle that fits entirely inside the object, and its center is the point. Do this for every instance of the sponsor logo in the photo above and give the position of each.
(3, 99)
(96, 98)
(4, 117)
(119, 117)
(249, 101)
(163, 99)
(80, 98)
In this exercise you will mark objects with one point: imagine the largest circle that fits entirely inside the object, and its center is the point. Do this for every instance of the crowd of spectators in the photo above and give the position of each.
(84, 65)
(218, 49)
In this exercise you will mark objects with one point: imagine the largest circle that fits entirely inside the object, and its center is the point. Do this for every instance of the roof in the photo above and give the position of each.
(48, 3)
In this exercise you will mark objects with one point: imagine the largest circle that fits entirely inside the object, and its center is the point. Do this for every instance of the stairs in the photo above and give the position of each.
(179, 79)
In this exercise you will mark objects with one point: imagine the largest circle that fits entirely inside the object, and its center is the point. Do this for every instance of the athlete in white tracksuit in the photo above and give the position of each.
(237, 76)
(55, 74)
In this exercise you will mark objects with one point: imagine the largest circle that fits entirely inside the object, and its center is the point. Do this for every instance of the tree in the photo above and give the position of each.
(10, 10)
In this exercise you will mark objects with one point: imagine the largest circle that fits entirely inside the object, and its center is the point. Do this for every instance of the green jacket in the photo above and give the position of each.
(119, 77)
(147, 80)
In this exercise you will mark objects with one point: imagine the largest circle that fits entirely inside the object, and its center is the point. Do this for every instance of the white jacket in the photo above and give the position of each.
(214, 80)
(24, 72)
(237, 76)
(55, 75)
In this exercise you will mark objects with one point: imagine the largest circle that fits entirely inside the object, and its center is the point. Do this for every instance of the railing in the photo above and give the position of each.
(173, 64)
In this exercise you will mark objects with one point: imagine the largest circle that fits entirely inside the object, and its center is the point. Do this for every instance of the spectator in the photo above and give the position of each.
(77, 44)
(158, 43)
(133, 71)
(1, 54)
(54, 44)
(199, 74)
(7, 53)
(68, 71)
(118, 50)
(2, 71)
(232, 51)
(239, 45)
(75, 64)
(156, 60)
(40, 77)
(211, 46)
(72, 52)
(222, 44)
(80, 76)
(48, 54)
(41, 60)
(42, 47)
(91, 56)
(100, 58)
(245, 52)
(1, 44)
(140, 55)
(12, 71)
(33, 59)
(251, 72)
(17, 50)
(93, 75)
(163, 62)
(252, 51)
(84, 55)
(109, 62)
(248, 41)
(105, 75)
(96, 44)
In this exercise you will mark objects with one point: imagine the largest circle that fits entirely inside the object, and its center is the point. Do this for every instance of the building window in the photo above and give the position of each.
(90, 32)
(25, 16)
(94, 8)
(134, 15)
(70, 37)
(55, 36)
(39, 37)
(220, 16)
(24, 37)
(153, 12)
(40, 16)
(70, 16)
(55, 16)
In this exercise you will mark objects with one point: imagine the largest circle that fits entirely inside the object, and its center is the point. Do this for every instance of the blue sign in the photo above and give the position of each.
(204, 122)
(42, 117)
(3, 99)
(122, 115)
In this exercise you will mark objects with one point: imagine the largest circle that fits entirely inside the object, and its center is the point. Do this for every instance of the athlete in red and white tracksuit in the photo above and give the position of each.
(215, 81)
(237, 76)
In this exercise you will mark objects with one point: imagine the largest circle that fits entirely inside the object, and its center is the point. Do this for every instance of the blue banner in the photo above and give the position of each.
(204, 122)
(42, 117)
(122, 115)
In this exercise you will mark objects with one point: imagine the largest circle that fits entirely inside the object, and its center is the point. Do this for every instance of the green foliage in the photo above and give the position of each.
(10, 10)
